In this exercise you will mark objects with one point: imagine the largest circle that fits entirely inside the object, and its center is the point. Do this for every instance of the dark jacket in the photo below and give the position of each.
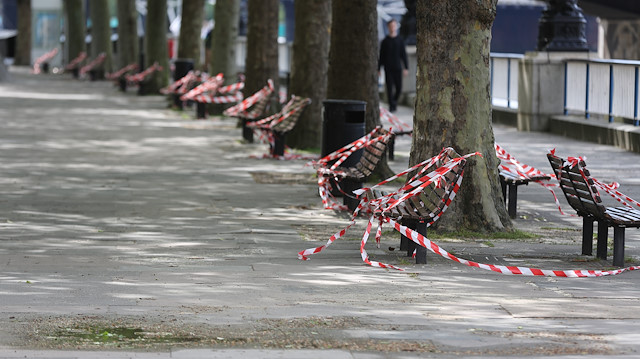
(392, 54)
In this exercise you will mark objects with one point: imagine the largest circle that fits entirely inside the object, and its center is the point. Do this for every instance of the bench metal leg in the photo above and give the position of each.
(390, 147)
(513, 199)
(421, 252)
(618, 246)
(278, 147)
(348, 186)
(411, 246)
(601, 250)
(247, 133)
(406, 244)
(587, 236)
(201, 110)
(503, 184)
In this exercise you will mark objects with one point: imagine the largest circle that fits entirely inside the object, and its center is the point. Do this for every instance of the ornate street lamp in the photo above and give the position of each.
(562, 27)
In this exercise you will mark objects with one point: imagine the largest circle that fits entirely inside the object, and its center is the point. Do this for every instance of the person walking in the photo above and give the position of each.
(393, 58)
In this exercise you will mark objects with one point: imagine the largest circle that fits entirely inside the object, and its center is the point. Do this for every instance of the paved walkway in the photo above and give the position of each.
(118, 214)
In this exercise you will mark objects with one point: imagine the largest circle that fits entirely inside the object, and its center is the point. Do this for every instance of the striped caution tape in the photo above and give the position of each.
(75, 62)
(393, 120)
(180, 86)
(92, 64)
(209, 84)
(241, 108)
(510, 164)
(116, 75)
(139, 77)
(377, 206)
(42, 59)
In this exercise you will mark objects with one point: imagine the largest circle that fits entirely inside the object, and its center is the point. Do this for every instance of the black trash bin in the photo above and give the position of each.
(343, 122)
(182, 68)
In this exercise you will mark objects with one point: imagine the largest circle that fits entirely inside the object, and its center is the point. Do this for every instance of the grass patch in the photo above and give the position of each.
(466, 234)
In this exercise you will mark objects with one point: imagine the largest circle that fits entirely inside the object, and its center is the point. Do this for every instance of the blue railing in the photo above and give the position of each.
(603, 87)
(504, 79)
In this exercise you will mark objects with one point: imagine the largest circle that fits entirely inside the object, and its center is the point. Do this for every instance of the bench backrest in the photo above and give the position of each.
(436, 197)
(373, 153)
(578, 186)
(290, 114)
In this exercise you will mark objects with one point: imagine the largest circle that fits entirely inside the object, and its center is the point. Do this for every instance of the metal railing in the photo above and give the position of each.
(604, 87)
(504, 79)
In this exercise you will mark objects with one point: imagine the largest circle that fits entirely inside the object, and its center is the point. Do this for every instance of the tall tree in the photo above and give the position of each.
(223, 39)
(453, 105)
(128, 49)
(156, 45)
(309, 68)
(75, 31)
(262, 46)
(353, 59)
(100, 35)
(23, 40)
(190, 27)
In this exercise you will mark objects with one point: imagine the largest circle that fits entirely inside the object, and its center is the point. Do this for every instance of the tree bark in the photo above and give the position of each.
(128, 48)
(453, 106)
(156, 45)
(309, 68)
(262, 47)
(190, 27)
(100, 36)
(223, 39)
(23, 39)
(353, 60)
(75, 33)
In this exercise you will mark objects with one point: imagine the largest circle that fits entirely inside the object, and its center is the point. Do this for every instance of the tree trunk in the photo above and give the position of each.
(353, 60)
(262, 47)
(453, 106)
(75, 33)
(128, 52)
(309, 68)
(156, 49)
(100, 36)
(223, 39)
(190, 27)
(23, 40)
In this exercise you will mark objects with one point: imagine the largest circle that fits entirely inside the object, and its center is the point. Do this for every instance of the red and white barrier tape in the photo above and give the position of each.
(243, 106)
(42, 59)
(378, 206)
(116, 75)
(178, 86)
(91, 65)
(393, 120)
(137, 78)
(518, 169)
(611, 188)
(75, 62)
(210, 84)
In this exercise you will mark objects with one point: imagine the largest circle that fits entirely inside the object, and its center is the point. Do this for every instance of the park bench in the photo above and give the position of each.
(251, 108)
(119, 76)
(513, 174)
(221, 95)
(275, 127)
(42, 63)
(419, 203)
(208, 84)
(92, 65)
(74, 65)
(139, 78)
(581, 191)
(339, 173)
